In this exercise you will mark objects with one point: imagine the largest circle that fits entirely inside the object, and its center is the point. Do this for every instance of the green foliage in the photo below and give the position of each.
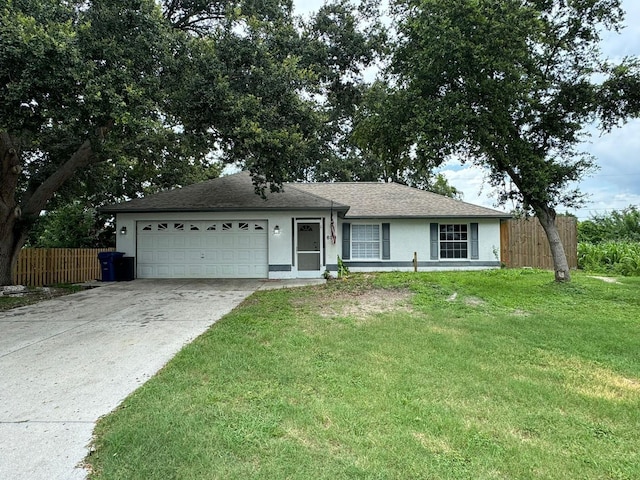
(621, 225)
(175, 89)
(343, 270)
(509, 86)
(71, 226)
(384, 138)
(72, 73)
(617, 258)
(134, 97)
(440, 185)
(610, 244)
(342, 40)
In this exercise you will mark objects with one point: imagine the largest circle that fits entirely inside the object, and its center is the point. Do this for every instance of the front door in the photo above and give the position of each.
(309, 249)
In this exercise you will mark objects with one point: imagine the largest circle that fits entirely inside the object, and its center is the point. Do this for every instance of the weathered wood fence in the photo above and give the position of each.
(49, 266)
(524, 243)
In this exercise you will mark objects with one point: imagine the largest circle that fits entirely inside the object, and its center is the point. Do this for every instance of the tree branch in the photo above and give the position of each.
(37, 201)
(10, 168)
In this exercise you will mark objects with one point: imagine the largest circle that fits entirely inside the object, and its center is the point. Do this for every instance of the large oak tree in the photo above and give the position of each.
(511, 86)
(130, 96)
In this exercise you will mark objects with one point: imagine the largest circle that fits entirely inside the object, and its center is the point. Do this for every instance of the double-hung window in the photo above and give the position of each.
(365, 241)
(454, 241)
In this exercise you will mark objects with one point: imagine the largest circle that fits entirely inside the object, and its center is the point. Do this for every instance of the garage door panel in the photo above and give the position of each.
(260, 258)
(259, 272)
(210, 256)
(226, 241)
(179, 271)
(226, 256)
(202, 249)
(163, 271)
(161, 256)
(194, 241)
(243, 241)
(244, 256)
(145, 257)
(226, 271)
(145, 242)
(145, 271)
(194, 256)
(178, 256)
(210, 271)
(244, 270)
(194, 271)
(162, 242)
(209, 241)
(178, 242)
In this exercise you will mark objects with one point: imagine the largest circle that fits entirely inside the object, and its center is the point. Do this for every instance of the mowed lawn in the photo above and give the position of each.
(461, 375)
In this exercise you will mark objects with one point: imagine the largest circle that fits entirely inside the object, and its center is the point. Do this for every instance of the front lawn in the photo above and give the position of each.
(471, 375)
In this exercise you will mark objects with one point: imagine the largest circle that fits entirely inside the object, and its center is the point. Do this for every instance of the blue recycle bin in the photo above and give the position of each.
(107, 265)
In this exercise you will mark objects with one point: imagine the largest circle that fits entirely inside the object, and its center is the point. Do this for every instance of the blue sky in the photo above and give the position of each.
(616, 184)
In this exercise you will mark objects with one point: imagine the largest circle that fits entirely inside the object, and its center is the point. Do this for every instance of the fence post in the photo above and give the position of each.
(505, 242)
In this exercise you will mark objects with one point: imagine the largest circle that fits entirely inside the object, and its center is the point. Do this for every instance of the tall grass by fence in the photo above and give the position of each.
(49, 266)
(523, 243)
(618, 258)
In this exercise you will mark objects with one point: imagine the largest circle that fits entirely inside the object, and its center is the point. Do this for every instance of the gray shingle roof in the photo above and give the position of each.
(391, 200)
(358, 200)
(228, 193)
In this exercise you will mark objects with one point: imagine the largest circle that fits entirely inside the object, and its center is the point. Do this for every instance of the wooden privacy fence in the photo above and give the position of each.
(48, 266)
(523, 243)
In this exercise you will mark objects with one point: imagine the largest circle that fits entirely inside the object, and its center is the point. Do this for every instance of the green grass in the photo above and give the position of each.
(486, 375)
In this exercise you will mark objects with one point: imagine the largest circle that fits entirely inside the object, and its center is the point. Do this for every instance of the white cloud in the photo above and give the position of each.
(472, 181)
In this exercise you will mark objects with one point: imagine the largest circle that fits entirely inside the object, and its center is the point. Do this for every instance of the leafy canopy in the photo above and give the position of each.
(623, 225)
(510, 86)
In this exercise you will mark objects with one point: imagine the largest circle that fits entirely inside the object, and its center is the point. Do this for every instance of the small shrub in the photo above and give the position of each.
(343, 270)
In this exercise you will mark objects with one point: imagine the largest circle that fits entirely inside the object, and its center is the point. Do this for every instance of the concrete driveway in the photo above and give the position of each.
(68, 361)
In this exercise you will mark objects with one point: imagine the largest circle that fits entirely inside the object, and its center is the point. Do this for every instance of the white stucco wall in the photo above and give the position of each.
(413, 235)
(406, 237)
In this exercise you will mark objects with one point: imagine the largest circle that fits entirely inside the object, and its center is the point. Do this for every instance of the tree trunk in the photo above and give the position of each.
(15, 219)
(547, 217)
(10, 211)
(11, 242)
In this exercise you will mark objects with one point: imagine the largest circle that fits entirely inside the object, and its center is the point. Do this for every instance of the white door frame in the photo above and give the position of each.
(320, 252)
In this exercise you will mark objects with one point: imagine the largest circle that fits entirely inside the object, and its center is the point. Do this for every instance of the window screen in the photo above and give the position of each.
(365, 241)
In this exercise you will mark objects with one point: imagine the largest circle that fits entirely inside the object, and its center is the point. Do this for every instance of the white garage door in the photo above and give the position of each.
(202, 249)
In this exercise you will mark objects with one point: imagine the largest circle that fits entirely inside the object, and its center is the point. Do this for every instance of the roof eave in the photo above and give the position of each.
(218, 210)
(501, 217)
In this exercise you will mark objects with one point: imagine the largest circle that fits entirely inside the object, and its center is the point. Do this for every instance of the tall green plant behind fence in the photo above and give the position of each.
(621, 258)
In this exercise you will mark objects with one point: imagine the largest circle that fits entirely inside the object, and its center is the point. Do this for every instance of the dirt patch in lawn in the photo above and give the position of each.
(606, 279)
(469, 301)
(363, 305)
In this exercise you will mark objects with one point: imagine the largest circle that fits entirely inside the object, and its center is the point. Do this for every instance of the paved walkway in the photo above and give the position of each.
(67, 361)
